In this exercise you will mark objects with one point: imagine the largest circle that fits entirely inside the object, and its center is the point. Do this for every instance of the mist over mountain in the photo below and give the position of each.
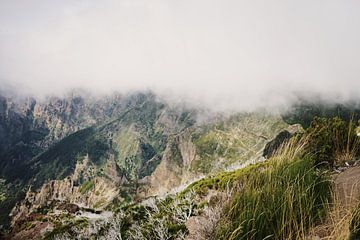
(236, 55)
(179, 119)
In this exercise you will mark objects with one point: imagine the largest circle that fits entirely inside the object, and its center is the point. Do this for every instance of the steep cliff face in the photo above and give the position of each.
(94, 192)
(31, 150)
(29, 126)
(43, 141)
(19, 138)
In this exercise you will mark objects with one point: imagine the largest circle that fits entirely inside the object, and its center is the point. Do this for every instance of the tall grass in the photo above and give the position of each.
(336, 226)
(279, 201)
(348, 150)
(354, 227)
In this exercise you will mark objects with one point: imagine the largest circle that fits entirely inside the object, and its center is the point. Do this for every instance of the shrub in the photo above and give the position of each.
(332, 140)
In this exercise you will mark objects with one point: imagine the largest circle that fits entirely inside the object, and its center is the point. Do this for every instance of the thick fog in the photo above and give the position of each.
(226, 54)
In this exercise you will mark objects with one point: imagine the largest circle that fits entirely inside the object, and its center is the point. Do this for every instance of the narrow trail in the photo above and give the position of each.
(346, 193)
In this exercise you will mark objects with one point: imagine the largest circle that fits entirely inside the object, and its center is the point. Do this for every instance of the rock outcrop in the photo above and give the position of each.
(273, 146)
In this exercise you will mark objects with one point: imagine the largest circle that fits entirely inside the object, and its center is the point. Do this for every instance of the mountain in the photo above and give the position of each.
(97, 151)
(135, 166)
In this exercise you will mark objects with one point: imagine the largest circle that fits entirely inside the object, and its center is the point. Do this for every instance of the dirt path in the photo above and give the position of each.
(346, 195)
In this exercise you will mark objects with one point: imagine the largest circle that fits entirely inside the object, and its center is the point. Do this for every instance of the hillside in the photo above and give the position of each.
(137, 167)
(96, 153)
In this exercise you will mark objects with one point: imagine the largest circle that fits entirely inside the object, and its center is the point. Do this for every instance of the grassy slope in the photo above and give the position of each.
(280, 201)
(235, 140)
(277, 199)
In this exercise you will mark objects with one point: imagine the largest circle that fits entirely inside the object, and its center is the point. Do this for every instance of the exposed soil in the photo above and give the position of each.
(346, 193)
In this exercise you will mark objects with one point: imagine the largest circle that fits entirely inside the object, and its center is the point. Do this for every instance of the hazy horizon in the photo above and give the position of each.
(237, 55)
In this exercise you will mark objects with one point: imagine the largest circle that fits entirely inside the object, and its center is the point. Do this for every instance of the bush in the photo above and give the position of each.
(332, 140)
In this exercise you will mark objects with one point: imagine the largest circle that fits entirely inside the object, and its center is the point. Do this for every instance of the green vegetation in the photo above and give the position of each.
(86, 186)
(28, 225)
(135, 156)
(281, 198)
(12, 194)
(332, 140)
(149, 166)
(60, 160)
(281, 201)
(140, 141)
(209, 147)
(158, 219)
(2, 190)
(304, 112)
(128, 149)
(176, 157)
(234, 140)
(223, 180)
(277, 199)
(66, 229)
(99, 203)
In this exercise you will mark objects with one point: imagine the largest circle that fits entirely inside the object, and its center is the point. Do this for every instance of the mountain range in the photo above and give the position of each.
(67, 161)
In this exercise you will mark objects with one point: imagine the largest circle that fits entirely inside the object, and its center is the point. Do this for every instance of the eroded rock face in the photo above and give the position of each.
(273, 146)
(174, 168)
(284, 136)
(29, 127)
(96, 192)
(187, 149)
(202, 150)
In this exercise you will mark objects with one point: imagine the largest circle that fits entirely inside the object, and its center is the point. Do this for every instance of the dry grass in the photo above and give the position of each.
(335, 226)
(348, 151)
(293, 148)
(345, 198)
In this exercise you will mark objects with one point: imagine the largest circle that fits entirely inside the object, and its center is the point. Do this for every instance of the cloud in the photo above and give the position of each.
(223, 54)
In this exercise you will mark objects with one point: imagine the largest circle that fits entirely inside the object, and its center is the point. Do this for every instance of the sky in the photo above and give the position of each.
(222, 53)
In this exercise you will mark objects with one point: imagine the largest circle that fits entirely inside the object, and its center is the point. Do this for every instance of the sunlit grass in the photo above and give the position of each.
(279, 201)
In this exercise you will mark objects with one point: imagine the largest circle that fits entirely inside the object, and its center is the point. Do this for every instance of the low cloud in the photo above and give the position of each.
(237, 55)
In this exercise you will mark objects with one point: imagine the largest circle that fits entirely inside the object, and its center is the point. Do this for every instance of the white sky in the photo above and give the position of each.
(224, 53)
